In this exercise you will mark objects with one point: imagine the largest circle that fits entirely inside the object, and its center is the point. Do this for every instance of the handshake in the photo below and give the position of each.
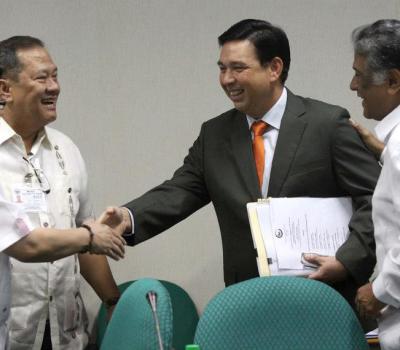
(105, 234)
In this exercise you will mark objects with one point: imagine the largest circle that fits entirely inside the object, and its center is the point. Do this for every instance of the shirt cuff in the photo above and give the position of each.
(129, 234)
(380, 292)
(381, 157)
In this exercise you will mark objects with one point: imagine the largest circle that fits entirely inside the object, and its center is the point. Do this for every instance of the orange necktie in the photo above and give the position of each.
(259, 128)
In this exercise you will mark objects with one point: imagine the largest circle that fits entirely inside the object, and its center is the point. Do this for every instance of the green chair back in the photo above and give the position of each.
(279, 313)
(102, 316)
(133, 325)
(185, 316)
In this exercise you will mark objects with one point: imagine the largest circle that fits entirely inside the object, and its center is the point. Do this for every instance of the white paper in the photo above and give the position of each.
(372, 334)
(292, 226)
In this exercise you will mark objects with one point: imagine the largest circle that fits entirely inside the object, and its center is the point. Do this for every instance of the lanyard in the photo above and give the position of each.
(45, 184)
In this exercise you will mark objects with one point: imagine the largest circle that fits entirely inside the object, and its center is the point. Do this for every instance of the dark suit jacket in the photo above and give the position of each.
(318, 154)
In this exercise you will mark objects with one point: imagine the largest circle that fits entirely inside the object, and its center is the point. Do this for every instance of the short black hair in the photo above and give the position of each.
(10, 65)
(270, 41)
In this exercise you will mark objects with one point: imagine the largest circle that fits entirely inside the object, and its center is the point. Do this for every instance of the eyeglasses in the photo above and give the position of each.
(40, 176)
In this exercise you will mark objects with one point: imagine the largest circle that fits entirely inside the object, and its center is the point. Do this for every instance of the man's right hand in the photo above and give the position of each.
(366, 302)
(117, 218)
(329, 268)
(107, 241)
(374, 145)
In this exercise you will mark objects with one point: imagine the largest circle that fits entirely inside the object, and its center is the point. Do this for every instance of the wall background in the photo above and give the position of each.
(139, 77)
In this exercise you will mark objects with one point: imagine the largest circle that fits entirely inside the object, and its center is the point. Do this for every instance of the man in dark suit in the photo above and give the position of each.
(308, 149)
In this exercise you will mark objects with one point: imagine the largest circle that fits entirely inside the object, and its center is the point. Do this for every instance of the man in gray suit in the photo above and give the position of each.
(308, 149)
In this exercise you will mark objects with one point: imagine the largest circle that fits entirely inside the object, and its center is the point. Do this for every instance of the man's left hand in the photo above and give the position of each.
(329, 269)
(366, 302)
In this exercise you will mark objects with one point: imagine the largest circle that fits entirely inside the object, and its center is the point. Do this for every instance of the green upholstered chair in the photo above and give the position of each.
(185, 316)
(279, 313)
(133, 325)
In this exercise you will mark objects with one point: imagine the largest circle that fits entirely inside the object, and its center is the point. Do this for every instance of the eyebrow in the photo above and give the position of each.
(233, 63)
(45, 70)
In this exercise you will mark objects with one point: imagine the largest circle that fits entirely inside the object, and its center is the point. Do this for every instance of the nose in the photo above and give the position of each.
(53, 86)
(353, 84)
(226, 77)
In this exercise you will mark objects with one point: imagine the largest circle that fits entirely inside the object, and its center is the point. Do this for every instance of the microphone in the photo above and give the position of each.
(151, 297)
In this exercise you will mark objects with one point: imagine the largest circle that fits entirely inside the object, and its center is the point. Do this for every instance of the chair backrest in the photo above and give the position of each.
(279, 313)
(133, 325)
(185, 316)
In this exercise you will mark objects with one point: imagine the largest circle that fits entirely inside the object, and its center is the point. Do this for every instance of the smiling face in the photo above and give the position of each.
(253, 88)
(376, 100)
(32, 97)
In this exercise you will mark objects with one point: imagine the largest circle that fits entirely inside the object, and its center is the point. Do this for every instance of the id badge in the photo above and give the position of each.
(29, 198)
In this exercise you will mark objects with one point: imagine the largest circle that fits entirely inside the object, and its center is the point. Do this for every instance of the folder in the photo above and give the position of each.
(284, 228)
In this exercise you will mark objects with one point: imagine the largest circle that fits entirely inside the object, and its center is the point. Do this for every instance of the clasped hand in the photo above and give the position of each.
(106, 240)
(117, 218)
(108, 231)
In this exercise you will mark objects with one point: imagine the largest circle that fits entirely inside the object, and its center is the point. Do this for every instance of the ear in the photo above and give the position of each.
(275, 67)
(394, 82)
(5, 93)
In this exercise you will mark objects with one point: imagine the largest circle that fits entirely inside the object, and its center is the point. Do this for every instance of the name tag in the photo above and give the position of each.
(31, 199)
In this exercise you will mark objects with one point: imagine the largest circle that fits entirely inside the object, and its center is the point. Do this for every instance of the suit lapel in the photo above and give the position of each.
(290, 134)
(240, 140)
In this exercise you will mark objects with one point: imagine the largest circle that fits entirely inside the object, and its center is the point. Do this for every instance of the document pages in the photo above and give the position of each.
(285, 228)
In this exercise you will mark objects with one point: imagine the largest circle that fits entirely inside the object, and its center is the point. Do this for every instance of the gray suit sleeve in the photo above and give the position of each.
(173, 200)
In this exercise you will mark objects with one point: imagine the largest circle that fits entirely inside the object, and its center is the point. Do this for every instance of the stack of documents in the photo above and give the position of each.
(372, 337)
(283, 229)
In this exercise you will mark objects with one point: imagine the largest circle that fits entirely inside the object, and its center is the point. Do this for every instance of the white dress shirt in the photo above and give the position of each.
(386, 218)
(46, 290)
(273, 118)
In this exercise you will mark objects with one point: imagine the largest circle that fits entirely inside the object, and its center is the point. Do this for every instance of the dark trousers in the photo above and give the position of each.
(46, 345)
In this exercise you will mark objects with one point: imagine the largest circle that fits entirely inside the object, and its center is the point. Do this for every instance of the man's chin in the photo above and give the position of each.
(50, 118)
(368, 115)
(239, 106)
(374, 117)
